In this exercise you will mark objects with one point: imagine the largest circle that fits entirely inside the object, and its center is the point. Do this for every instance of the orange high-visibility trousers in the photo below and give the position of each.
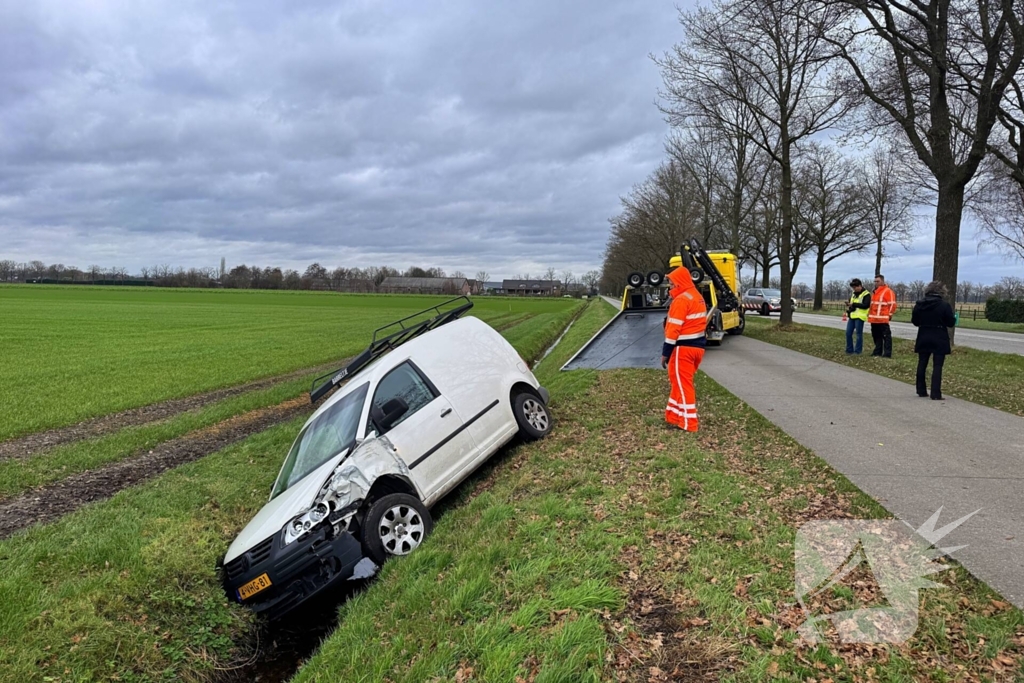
(682, 399)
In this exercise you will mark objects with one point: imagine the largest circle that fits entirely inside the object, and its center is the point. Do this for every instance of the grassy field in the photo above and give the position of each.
(991, 379)
(613, 550)
(71, 353)
(127, 589)
(903, 316)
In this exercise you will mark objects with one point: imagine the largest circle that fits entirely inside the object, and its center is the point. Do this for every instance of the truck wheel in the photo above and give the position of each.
(739, 328)
(635, 280)
(654, 278)
(395, 524)
(765, 310)
(532, 416)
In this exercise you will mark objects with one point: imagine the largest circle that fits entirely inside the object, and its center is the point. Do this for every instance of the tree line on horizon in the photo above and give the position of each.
(242, 276)
(804, 130)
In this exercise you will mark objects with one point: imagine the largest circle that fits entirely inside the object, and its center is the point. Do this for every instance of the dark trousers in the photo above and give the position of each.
(922, 367)
(882, 334)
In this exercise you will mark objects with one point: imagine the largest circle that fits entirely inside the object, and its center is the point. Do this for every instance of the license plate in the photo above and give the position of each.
(253, 587)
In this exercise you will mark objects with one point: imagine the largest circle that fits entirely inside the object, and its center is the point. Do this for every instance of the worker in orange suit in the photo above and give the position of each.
(684, 348)
(883, 306)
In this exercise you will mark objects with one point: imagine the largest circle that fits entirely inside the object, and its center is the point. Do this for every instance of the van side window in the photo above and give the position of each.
(404, 382)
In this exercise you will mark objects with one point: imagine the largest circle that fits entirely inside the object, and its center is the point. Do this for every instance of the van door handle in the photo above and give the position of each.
(446, 412)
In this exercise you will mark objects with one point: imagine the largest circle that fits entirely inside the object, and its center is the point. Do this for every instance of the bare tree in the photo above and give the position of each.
(657, 215)
(1002, 204)
(772, 57)
(889, 198)
(567, 280)
(482, 276)
(590, 279)
(697, 154)
(830, 210)
(1001, 213)
(550, 274)
(937, 71)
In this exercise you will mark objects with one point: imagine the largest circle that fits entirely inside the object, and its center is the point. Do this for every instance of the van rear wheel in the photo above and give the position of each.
(531, 415)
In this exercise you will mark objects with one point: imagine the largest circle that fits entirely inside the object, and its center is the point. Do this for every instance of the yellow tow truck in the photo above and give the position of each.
(632, 339)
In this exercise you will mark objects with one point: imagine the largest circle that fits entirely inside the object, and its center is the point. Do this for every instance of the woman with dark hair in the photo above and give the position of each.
(932, 316)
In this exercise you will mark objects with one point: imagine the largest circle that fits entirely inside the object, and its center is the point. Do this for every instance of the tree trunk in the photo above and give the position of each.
(948, 214)
(878, 256)
(786, 243)
(819, 280)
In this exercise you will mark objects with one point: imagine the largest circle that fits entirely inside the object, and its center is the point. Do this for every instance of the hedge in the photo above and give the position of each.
(1005, 310)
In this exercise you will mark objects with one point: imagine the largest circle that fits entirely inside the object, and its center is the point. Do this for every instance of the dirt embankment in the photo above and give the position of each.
(48, 503)
(30, 444)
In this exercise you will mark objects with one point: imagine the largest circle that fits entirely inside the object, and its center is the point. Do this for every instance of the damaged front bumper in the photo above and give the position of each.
(294, 572)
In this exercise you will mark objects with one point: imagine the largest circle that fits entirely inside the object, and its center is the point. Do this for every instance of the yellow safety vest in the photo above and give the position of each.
(859, 313)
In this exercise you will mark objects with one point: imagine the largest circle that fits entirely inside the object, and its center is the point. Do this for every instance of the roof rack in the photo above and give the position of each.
(383, 343)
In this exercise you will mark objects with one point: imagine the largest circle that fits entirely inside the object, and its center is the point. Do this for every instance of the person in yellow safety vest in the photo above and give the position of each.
(883, 306)
(683, 349)
(857, 310)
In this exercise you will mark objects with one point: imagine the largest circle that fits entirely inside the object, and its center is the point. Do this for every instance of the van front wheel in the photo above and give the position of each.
(395, 524)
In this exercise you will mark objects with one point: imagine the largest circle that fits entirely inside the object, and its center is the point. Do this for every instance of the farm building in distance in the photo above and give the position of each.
(531, 287)
(426, 285)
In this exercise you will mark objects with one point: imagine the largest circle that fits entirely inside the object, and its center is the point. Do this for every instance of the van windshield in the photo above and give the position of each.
(772, 293)
(326, 436)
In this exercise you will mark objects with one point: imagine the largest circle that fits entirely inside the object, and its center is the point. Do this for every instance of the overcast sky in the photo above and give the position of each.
(467, 135)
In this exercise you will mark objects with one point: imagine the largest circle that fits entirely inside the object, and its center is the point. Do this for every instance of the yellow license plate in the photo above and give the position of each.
(261, 582)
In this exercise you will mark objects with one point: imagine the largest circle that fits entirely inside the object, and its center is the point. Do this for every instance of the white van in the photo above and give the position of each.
(404, 430)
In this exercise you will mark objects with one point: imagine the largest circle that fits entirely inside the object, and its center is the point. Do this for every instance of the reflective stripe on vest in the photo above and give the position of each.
(859, 313)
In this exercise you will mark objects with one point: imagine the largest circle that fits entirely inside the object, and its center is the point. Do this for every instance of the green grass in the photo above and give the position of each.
(992, 379)
(529, 334)
(126, 589)
(19, 475)
(618, 550)
(903, 316)
(614, 549)
(71, 353)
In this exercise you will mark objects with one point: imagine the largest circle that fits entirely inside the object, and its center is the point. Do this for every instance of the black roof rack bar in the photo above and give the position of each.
(381, 344)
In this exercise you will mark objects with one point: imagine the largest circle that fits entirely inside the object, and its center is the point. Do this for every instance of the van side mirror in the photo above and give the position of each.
(391, 412)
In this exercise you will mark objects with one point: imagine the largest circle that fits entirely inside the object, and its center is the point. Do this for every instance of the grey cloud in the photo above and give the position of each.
(451, 132)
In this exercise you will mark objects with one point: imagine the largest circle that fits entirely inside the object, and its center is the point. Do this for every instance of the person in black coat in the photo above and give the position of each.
(932, 316)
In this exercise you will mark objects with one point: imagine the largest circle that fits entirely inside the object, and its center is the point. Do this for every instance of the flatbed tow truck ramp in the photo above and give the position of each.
(632, 339)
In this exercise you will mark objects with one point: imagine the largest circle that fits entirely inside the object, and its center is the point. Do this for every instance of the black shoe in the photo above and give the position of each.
(938, 398)
(924, 395)
(885, 356)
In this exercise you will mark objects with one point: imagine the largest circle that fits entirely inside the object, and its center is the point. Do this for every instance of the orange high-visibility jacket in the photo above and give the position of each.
(883, 305)
(687, 314)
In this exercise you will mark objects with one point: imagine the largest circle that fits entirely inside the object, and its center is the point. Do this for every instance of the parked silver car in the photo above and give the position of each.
(764, 301)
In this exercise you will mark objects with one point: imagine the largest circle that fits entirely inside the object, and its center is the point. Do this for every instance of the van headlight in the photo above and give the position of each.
(304, 523)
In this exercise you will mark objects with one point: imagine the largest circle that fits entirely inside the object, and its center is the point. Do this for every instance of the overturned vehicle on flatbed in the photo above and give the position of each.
(430, 399)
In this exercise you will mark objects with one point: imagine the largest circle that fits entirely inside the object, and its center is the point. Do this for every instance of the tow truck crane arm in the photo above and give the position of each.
(694, 256)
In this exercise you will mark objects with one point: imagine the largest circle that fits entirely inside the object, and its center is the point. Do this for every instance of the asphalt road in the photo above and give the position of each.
(913, 455)
(1000, 342)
